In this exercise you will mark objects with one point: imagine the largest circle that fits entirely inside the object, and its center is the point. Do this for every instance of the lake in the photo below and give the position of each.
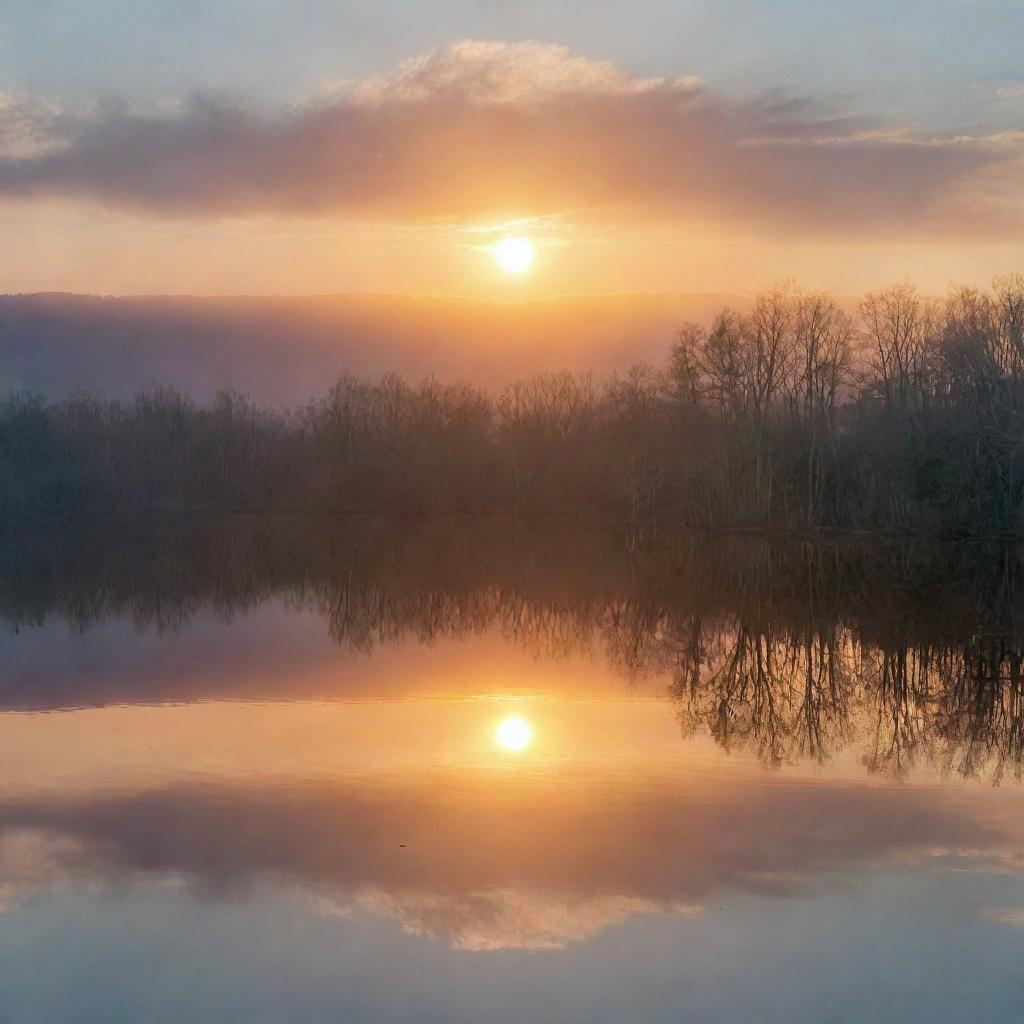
(283, 769)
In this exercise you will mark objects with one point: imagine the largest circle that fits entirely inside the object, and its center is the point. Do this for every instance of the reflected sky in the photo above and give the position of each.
(389, 860)
(246, 817)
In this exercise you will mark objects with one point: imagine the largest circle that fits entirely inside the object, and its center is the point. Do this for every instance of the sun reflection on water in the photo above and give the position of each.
(514, 733)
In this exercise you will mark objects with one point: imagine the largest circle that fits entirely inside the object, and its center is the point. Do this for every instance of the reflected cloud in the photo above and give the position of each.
(1012, 917)
(500, 919)
(519, 863)
(41, 860)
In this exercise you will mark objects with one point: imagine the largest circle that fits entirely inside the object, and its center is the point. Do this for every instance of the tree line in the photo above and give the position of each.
(902, 414)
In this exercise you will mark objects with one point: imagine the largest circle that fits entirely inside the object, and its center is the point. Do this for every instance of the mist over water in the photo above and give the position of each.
(282, 349)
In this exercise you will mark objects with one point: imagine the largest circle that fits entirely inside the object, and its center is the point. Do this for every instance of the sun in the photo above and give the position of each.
(514, 254)
(514, 734)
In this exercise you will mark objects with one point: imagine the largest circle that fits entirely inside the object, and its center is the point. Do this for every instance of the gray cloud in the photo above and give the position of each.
(481, 130)
(447, 867)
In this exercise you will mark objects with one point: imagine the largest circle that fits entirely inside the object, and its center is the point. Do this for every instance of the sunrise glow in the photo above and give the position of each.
(514, 255)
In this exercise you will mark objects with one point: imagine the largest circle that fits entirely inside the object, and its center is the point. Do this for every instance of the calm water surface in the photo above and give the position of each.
(270, 771)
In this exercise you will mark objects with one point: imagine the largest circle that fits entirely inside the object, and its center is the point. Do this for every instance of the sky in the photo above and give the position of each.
(307, 146)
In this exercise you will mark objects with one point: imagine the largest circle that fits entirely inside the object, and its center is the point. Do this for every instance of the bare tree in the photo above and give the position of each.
(898, 326)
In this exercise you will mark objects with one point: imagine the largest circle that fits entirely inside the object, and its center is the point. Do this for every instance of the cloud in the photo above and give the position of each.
(531, 863)
(1012, 917)
(28, 125)
(486, 73)
(499, 918)
(484, 130)
(1008, 89)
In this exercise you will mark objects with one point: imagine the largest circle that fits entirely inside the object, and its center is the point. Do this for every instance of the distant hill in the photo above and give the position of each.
(287, 350)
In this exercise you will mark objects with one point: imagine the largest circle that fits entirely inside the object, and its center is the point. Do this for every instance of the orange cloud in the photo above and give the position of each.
(483, 130)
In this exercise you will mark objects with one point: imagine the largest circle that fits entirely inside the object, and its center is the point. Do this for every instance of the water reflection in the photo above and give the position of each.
(485, 869)
(514, 734)
(306, 771)
(400, 811)
(909, 653)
